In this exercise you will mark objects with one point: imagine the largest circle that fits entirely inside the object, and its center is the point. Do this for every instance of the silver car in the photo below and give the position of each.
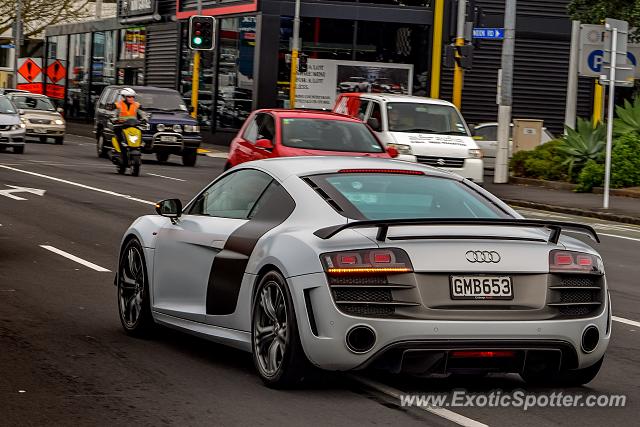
(42, 119)
(12, 130)
(342, 263)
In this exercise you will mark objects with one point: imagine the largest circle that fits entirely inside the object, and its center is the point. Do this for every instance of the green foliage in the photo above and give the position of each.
(596, 11)
(582, 144)
(591, 175)
(628, 118)
(625, 166)
(544, 162)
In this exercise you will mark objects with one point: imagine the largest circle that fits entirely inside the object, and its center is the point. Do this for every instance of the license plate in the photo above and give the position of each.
(481, 287)
(38, 130)
(168, 138)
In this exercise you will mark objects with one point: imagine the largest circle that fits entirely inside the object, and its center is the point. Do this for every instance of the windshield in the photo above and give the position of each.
(397, 196)
(161, 101)
(6, 107)
(329, 135)
(427, 118)
(25, 102)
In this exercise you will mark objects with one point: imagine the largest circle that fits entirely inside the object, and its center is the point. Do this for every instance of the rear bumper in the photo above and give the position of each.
(323, 329)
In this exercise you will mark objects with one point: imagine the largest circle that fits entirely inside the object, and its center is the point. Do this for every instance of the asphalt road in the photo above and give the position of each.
(65, 360)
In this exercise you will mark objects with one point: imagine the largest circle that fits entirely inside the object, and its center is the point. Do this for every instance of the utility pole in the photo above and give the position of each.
(458, 72)
(195, 78)
(436, 48)
(295, 46)
(504, 108)
(572, 80)
(17, 40)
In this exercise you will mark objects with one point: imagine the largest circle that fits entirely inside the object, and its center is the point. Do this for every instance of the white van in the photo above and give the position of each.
(423, 130)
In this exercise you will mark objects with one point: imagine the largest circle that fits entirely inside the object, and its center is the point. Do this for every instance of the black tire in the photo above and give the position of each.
(121, 166)
(18, 149)
(162, 156)
(189, 156)
(59, 140)
(292, 363)
(133, 291)
(135, 167)
(568, 378)
(100, 148)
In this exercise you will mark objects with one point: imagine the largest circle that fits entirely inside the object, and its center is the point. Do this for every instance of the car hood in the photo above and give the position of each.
(9, 119)
(436, 145)
(41, 114)
(177, 118)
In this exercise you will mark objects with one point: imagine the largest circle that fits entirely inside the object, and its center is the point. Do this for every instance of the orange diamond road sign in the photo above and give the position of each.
(56, 72)
(29, 70)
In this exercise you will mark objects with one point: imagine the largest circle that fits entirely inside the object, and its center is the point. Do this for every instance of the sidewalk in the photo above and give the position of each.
(621, 209)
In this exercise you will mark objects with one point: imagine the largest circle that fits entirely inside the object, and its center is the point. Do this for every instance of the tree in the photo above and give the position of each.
(39, 14)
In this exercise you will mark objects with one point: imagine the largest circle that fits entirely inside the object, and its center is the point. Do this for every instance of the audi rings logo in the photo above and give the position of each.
(483, 256)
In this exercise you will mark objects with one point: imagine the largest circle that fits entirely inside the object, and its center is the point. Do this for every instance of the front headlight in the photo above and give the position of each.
(160, 127)
(402, 148)
(475, 153)
(191, 128)
(59, 122)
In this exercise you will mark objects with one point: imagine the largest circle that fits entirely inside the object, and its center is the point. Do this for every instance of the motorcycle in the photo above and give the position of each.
(127, 152)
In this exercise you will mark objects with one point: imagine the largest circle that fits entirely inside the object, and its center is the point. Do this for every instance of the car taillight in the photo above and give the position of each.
(368, 261)
(574, 262)
(472, 353)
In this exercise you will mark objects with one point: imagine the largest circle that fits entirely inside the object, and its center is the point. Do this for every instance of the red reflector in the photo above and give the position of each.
(585, 261)
(348, 259)
(387, 171)
(466, 353)
(382, 258)
(564, 259)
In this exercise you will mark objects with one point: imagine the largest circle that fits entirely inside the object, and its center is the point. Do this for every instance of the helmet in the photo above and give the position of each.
(127, 91)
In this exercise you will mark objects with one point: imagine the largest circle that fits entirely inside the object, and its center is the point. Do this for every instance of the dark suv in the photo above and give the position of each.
(170, 128)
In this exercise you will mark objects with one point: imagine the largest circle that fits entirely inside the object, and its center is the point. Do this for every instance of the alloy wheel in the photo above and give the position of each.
(271, 337)
(131, 287)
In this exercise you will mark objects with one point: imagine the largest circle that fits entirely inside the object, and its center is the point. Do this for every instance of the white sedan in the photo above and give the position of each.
(344, 263)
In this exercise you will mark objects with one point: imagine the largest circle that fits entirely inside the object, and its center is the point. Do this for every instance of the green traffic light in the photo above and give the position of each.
(197, 40)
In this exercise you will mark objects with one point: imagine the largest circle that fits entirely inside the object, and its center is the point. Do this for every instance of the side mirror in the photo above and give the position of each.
(392, 151)
(472, 129)
(264, 144)
(374, 124)
(60, 110)
(171, 208)
(21, 111)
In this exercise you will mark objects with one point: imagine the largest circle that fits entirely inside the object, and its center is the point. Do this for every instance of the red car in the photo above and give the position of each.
(284, 133)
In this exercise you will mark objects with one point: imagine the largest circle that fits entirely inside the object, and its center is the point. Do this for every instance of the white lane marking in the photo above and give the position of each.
(88, 187)
(75, 258)
(9, 193)
(167, 177)
(441, 412)
(626, 321)
(619, 237)
(218, 155)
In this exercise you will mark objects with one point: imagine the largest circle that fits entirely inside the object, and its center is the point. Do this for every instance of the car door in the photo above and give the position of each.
(246, 140)
(186, 248)
(375, 112)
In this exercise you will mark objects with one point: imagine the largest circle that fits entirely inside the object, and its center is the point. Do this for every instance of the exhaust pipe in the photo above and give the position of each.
(590, 339)
(360, 339)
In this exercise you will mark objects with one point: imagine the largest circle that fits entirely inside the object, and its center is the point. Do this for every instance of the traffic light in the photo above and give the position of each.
(202, 32)
(302, 63)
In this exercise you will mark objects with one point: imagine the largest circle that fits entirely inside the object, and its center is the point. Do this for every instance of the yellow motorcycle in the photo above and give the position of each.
(127, 152)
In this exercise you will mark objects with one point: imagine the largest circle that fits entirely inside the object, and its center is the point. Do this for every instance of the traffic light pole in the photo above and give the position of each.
(436, 48)
(294, 56)
(458, 72)
(195, 77)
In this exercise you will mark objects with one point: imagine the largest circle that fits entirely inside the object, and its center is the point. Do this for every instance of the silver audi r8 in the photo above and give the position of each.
(347, 263)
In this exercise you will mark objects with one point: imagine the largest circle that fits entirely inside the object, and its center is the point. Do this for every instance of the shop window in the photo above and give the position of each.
(104, 62)
(235, 71)
(77, 96)
(132, 43)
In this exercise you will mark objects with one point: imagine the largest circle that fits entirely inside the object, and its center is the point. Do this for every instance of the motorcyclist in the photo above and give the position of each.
(128, 109)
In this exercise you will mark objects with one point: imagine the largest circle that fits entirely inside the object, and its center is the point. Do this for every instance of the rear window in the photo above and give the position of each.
(395, 196)
(329, 135)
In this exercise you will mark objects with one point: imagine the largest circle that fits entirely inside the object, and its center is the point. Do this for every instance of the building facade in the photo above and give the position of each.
(370, 45)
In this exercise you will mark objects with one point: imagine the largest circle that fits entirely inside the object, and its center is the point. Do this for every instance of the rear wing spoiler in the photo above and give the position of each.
(555, 227)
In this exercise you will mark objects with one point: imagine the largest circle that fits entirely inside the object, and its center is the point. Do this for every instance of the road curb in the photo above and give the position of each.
(574, 211)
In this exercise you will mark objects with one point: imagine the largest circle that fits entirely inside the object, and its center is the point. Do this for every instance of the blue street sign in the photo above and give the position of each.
(488, 33)
(6, 46)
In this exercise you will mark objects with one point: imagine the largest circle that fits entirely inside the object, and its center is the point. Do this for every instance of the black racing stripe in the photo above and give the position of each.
(229, 265)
